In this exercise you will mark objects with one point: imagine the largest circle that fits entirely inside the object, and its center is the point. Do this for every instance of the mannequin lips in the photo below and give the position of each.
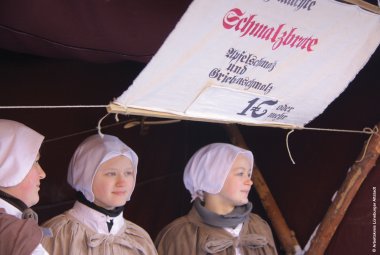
(119, 193)
(245, 192)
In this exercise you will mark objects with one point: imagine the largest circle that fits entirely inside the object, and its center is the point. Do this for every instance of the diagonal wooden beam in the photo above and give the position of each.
(285, 235)
(345, 194)
(365, 5)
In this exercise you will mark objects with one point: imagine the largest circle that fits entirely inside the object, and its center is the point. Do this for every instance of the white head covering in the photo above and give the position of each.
(208, 168)
(19, 146)
(89, 155)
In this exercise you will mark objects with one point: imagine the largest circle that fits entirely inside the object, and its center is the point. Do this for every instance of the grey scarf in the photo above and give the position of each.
(230, 220)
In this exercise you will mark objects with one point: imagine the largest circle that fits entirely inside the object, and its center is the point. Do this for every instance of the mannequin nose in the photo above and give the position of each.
(121, 180)
(41, 172)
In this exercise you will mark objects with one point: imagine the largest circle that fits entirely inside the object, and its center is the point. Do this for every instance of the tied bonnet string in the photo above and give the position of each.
(109, 213)
(27, 213)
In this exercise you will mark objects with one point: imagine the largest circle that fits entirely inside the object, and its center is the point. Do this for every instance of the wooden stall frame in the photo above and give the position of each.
(335, 213)
(346, 193)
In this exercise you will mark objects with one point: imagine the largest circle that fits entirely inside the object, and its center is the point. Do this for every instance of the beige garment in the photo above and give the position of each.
(72, 237)
(18, 236)
(188, 235)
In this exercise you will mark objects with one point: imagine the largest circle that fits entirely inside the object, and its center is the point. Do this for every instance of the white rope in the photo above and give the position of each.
(366, 130)
(117, 117)
(376, 131)
(134, 123)
(287, 146)
(99, 125)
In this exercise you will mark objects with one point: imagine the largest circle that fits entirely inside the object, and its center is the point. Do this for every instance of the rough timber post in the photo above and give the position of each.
(285, 235)
(345, 194)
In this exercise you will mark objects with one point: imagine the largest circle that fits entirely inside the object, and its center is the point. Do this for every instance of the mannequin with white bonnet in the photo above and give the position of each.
(20, 177)
(218, 177)
(103, 171)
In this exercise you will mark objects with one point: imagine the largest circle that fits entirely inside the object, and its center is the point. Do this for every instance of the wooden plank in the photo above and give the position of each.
(285, 235)
(114, 108)
(365, 5)
(345, 194)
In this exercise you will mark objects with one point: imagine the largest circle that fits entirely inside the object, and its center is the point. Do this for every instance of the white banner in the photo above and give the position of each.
(256, 61)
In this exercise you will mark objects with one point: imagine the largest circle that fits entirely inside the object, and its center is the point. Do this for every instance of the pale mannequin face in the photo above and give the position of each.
(235, 189)
(27, 190)
(113, 182)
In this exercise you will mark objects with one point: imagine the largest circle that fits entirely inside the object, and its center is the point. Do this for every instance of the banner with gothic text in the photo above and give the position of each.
(256, 61)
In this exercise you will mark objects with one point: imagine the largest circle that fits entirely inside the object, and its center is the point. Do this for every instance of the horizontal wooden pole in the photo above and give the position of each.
(365, 5)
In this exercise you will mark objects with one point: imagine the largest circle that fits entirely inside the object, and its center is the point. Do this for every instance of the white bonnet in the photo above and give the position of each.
(89, 155)
(19, 147)
(208, 168)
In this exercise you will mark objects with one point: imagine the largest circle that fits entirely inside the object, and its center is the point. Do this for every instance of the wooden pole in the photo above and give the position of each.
(365, 5)
(285, 235)
(346, 193)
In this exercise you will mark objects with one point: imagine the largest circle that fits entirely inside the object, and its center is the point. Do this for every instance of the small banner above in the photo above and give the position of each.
(254, 62)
